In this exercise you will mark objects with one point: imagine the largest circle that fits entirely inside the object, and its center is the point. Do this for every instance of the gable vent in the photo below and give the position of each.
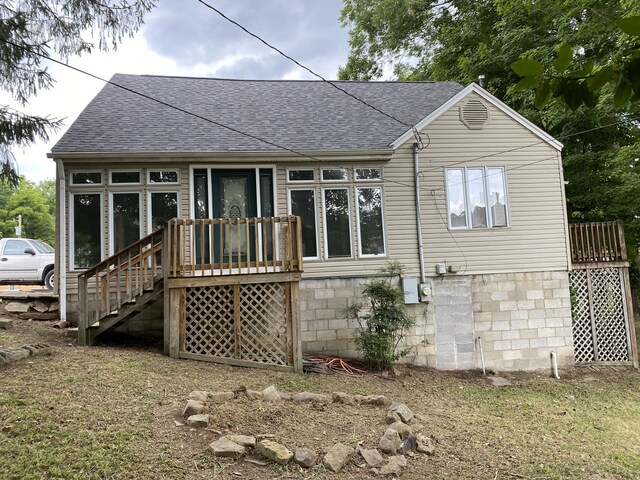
(474, 114)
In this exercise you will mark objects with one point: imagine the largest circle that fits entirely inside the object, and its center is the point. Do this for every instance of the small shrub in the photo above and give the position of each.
(382, 327)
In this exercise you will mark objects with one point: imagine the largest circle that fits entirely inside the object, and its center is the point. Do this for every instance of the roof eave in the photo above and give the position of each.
(380, 154)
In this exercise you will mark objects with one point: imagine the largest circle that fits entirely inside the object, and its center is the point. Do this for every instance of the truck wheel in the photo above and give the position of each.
(48, 280)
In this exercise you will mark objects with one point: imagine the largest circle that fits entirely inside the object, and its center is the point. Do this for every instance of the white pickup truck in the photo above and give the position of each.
(26, 261)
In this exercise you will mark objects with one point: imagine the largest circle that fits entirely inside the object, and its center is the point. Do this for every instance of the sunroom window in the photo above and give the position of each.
(303, 204)
(337, 231)
(87, 229)
(469, 191)
(370, 221)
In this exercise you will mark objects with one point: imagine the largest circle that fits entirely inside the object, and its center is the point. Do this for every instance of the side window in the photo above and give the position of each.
(15, 247)
(303, 204)
(477, 198)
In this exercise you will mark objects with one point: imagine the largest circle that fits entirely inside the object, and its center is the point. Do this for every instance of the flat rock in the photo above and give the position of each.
(499, 381)
(5, 323)
(54, 307)
(390, 442)
(39, 306)
(394, 466)
(372, 457)
(271, 394)
(341, 397)
(223, 447)
(198, 421)
(404, 412)
(305, 458)
(38, 349)
(244, 440)
(193, 407)
(379, 400)
(14, 354)
(311, 397)
(199, 395)
(403, 429)
(16, 307)
(392, 417)
(253, 394)
(409, 444)
(285, 396)
(337, 457)
(221, 397)
(275, 452)
(425, 445)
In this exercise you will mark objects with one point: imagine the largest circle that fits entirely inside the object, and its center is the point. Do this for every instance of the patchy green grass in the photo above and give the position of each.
(109, 411)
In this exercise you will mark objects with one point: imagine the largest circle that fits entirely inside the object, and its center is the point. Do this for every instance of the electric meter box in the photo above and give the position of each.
(425, 292)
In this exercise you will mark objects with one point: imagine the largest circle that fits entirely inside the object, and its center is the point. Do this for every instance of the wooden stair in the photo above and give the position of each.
(114, 290)
(128, 310)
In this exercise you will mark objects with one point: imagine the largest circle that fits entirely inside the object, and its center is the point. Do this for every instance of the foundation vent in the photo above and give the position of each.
(474, 114)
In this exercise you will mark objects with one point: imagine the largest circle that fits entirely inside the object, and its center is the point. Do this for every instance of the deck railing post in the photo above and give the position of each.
(83, 311)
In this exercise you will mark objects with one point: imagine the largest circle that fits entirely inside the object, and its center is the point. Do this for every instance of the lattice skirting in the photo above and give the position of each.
(250, 322)
(598, 308)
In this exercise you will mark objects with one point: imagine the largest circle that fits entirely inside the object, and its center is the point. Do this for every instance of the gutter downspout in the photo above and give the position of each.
(416, 172)
(61, 243)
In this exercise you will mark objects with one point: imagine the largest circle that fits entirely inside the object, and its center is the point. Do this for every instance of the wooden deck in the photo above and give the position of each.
(230, 289)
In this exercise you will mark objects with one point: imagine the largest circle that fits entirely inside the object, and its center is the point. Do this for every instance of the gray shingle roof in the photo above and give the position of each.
(300, 115)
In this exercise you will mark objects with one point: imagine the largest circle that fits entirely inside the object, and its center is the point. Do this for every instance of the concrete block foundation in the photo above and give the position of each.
(519, 317)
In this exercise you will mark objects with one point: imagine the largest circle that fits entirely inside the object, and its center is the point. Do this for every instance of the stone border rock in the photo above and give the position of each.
(397, 442)
(10, 355)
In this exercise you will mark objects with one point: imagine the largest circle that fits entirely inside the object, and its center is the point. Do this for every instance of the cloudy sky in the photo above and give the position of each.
(183, 37)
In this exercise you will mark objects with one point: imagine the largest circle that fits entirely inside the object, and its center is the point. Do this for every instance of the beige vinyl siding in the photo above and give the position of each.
(536, 237)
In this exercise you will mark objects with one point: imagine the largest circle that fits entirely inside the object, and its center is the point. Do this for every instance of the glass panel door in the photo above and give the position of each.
(234, 196)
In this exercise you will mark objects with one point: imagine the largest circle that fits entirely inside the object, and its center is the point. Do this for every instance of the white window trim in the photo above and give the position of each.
(149, 193)
(345, 179)
(88, 185)
(315, 214)
(349, 190)
(159, 184)
(303, 169)
(124, 170)
(468, 213)
(384, 223)
(140, 219)
(72, 247)
(367, 167)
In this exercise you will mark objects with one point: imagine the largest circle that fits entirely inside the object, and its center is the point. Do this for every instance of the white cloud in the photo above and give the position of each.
(189, 40)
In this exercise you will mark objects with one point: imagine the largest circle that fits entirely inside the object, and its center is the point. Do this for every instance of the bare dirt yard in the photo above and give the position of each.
(110, 412)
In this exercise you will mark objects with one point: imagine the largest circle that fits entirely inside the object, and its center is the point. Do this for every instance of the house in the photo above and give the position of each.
(450, 181)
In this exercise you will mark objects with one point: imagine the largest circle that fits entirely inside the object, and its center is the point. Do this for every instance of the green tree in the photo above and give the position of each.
(461, 40)
(30, 201)
(30, 31)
